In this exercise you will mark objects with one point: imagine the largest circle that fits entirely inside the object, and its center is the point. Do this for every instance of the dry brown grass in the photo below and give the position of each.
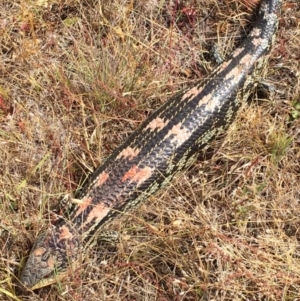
(73, 86)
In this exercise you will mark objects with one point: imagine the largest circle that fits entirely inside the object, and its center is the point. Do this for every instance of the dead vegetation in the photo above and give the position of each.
(77, 77)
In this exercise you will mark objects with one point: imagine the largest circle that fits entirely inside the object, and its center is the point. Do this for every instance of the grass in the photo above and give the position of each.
(77, 77)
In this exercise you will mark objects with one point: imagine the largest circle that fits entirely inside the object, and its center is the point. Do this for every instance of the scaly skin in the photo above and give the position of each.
(165, 144)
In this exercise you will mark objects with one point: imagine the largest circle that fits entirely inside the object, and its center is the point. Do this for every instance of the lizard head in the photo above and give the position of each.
(50, 256)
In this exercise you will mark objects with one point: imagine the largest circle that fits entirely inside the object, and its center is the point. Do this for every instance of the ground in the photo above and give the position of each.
(77, 77)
